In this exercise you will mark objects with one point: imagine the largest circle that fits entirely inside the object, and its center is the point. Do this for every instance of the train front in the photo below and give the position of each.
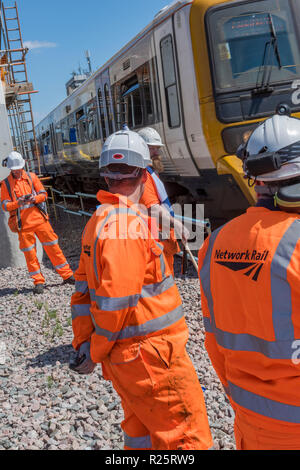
(247, 59)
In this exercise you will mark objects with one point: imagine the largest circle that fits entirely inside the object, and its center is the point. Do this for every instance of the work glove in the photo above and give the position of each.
(83, 363)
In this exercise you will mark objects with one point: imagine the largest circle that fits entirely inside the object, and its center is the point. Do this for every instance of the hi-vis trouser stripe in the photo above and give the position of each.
(32, 247)
(137, 442)
(54, 242)
(60, 266)
(281, 348)
(80, 310)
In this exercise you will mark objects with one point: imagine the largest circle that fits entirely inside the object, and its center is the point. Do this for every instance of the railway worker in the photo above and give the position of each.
(127, 312)
(23, 196)
(155, 198)
(249, 274)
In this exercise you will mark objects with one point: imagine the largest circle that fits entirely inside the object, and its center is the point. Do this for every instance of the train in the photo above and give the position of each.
(203, 73)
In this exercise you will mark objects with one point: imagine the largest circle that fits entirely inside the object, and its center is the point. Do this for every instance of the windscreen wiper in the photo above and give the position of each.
(266, 66)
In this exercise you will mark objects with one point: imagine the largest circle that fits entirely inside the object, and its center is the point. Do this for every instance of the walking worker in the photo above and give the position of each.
(23, 196)
(127, 312)
(155, 198)
(249, 274)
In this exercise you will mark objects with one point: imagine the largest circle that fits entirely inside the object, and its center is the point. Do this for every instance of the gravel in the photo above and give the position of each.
(45, 406)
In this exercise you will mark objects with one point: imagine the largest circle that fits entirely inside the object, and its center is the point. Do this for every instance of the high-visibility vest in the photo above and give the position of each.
(42, 206)
(249, 271)
(124, 288)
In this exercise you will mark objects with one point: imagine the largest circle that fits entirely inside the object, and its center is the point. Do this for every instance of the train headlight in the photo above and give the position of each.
(234, 136)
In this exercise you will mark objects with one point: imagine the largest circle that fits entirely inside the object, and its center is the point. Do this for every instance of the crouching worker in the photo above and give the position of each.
(23, 196)
(127, 312)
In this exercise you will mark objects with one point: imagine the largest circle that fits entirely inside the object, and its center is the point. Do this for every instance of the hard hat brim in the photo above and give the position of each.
(17, 167)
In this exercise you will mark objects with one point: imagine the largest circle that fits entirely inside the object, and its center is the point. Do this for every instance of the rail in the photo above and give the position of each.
(205, 223)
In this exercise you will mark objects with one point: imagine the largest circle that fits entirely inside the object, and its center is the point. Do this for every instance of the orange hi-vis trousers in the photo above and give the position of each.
(161, 395)
(49, 241)
(249, 436)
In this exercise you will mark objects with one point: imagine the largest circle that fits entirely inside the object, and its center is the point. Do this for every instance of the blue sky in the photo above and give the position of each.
(60, 31)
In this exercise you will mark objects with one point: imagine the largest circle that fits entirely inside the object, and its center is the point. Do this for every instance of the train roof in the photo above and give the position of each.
(158, 18)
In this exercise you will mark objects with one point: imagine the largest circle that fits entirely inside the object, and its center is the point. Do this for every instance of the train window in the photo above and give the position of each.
(251, 47)
(65, 132)
(108, 108)
(59, 138)
(81, 124)
(146, 81)
(170, 83)
(102, 115)
(92, 129)
(132, 106)
(72, 130)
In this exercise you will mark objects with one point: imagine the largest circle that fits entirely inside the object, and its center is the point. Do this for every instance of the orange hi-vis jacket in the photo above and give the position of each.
(124, 289)
(250, 289)
(31, 216)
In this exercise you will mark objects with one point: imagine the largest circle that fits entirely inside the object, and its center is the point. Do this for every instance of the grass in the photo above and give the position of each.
(50, 381)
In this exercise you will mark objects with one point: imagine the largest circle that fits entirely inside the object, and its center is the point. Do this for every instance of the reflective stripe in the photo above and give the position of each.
(110, 304)
(27, 206)
(280, 287)
(150, 326)
(150, 290)
(265, 406)
(29, 248)
(60, 266)
(54, 242)
(93, 294)
(207, 325)
(34, 273)
(81, 286)
(137, 442)
(4, 204)
(153, 290)
(245, 342)
(80, 310)
(42, 191)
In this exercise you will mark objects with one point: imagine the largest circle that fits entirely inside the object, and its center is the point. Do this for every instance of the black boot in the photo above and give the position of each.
(70, 280)
(38, 289)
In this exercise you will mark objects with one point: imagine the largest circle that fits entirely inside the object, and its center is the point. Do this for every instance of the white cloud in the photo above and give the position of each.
(39, 44)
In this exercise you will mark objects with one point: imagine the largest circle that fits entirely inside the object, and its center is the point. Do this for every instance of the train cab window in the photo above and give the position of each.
(108, 108)
(170, 82)
(254, 47)
(102, 114)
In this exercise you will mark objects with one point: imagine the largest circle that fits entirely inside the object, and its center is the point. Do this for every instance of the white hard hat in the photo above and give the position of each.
(15, 161)
(272, 152)
(151, 136)
(126, 148)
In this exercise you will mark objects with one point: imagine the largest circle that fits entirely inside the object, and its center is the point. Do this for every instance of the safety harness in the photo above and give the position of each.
(161, 191)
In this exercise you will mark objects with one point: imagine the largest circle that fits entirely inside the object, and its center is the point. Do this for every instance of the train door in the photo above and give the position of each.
(105, 105)
(170, 92)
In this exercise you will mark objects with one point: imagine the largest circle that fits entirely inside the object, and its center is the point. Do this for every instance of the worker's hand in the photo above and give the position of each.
(21, 201)
(31, 199)
(83, 363)
(181, 231)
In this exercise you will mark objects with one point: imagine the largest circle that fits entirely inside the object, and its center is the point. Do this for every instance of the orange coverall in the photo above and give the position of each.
(250, 291)
(34, 223)
(127, 304)
(150, 198)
